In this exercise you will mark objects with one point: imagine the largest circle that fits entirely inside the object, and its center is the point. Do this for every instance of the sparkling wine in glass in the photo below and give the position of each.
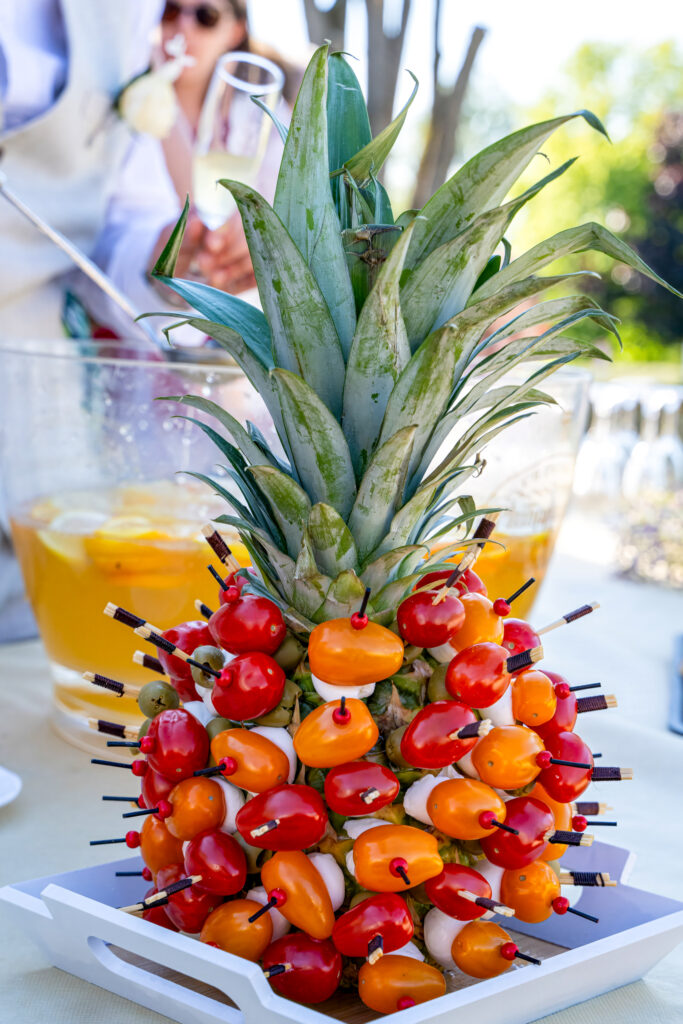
(233, 131)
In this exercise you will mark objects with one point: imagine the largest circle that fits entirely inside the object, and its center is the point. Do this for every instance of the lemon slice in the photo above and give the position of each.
(66, 534)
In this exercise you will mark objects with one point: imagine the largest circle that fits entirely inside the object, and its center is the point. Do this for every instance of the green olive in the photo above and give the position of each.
(142, 731)
(156, 697)
(289, 653)
(282, 714)
(212, 656)
(393, 747)
(436, 687)
(360, 897)
(216, 725)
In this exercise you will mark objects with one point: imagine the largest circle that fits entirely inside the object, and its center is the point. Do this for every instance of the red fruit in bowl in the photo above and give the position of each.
(176, 744)
(518, 636)
(251, 685)
(478, 675)
(562, 782)
(425, 624)
(431, 739)
(246, 624)
(316, 967)
(219, 859)
(189, 908)
(469, 582)
(187, 636)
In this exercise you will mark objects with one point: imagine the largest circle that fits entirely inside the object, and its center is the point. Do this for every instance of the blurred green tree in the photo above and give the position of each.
(634, 186)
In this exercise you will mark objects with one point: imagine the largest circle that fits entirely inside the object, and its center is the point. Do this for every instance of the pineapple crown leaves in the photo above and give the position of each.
(373, 350)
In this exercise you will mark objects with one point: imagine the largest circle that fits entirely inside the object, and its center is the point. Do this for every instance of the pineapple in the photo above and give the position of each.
(372, 356)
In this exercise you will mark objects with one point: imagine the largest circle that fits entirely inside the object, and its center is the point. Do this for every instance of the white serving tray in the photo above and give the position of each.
(72, 918)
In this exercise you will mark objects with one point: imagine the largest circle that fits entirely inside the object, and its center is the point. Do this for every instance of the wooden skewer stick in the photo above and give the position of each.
(263, 829)
(218, 578)
(375, 949)
(161, 897)
(482, 534)
(587, 878)
(578, 613)
(518, 593)
(570, 838)
(113, 728)
(159, 641)
(369, 795)
(598, 703)
(219, 547)
(149, 661)
(516, 662)
(482, 728)
(127, 618)
(585, 686)
(276, 969)
(588, 807)
(484, 901)
(203, 609)
(113, 685)
(611, 774)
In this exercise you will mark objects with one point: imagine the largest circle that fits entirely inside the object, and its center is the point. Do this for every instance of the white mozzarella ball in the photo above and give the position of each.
(443, 654)
(493, 875)
(206, 693)
(281, 738)
(439, 932)
(328, 691)
(466, 765)
(234, 801)
(416, 796)
(350, 864)
(280, 924)
(199, 710)
(500, 713)
(411, 950)
(357, 826)
(331, 874)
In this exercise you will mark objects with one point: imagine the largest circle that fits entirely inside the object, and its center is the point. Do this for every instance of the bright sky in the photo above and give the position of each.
(525, 44)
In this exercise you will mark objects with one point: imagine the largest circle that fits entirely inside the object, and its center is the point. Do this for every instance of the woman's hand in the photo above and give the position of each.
(223, 258)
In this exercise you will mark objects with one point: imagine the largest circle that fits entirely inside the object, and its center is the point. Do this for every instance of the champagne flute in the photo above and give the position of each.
(233, 131)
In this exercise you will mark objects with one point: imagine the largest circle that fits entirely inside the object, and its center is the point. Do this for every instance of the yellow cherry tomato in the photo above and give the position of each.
(385, 856)
(159, 849)
(343, 656)
(481, 624)
(476, 949)
(307, 903)
(533, 697)
(562, 814)
(530, 891)
(328, 737)
(261, 764)
(506, 757)
(198, 805)
(456, 807)
(229, 927)
(393, 978)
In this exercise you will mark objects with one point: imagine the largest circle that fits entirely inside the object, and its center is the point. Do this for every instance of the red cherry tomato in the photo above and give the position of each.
(469, 582)
(518, 636)
(423, 623)
(298, 810)
(157, 915)
(187, 636)
(249, 623)
(385, 914)
(533, 820)
(561, 782)
(360, 787)
(316, 967)
(233, 580)
(176, 744)
(189, 908)
(251, 685)
(155, 787)
(478, 675)
(444, 889)
(219, 859)
(431, 739)
(565, 715)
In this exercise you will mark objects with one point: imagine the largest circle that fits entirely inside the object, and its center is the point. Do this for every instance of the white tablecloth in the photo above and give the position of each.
(627, 645)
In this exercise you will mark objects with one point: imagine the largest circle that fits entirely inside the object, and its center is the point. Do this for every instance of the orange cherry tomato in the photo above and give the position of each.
(481, 625)
(476, 949)
(384, 985)
(533, 698)
(159, 849)
(384, 856)
(307, 903)
(325, 739)
(530, 891)
(506, 757)
(562, 814)
(456, 807)
(229, 927)
(344, 656)
(198, 804)
(261, 764)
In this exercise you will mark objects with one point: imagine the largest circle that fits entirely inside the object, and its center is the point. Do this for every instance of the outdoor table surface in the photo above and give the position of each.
(627, 645)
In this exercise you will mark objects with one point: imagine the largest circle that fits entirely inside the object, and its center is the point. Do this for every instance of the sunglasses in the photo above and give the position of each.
(205, 15)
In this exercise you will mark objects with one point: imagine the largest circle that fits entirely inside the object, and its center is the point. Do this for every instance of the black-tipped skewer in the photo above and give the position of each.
(518, 593)
(276, 898)
(472, 729)
(112, 728)
(106, 842)
(263, 829)
(219, 547)
(587, 878)
(161, 898)
(597, 703)
(149, 661)
(129, 619)
(123, 743)
(272, 972)
(136, 767)
(612, 774)
(375, 949)
(370, 795)
(218, 578)
(123, 799)
(166, 645)
(203, 609)
(571, 838)
(113, 685)
(516, 662)
(577, 613)
(486, 902)
(481, 534)
(585, 686)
